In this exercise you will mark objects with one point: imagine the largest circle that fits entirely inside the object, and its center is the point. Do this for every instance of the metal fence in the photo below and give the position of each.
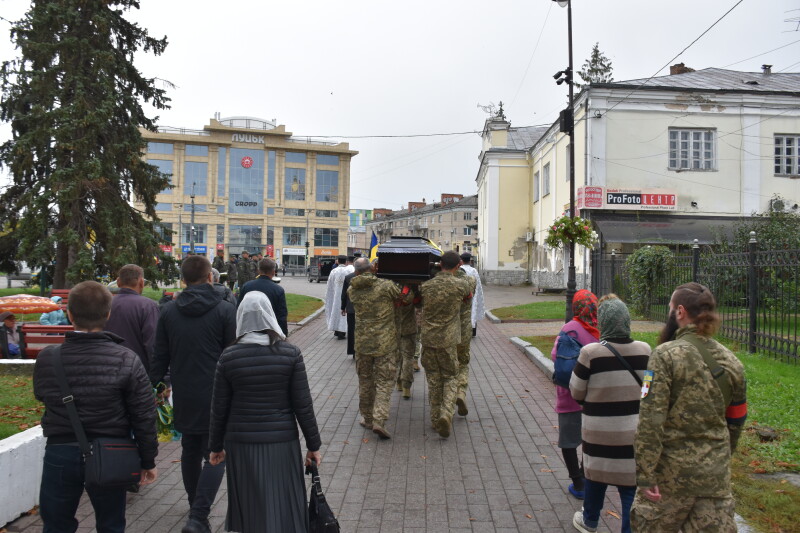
(757, 293)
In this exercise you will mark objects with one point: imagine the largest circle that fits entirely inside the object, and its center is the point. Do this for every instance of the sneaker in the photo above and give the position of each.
(577, 493)
(364, 423)
(406, 393)
(196, 525)
(461, 403)
(381, 431)
(577, 521)
(443, 426)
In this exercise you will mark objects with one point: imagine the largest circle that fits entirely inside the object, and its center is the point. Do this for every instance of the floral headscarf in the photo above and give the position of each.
(584, 310)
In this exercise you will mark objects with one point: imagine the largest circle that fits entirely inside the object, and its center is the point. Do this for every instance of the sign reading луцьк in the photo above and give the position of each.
(620, 199)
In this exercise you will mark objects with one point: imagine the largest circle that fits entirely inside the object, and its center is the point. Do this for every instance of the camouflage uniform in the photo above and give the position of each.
(376, 344)
(406, 322)
(441, 333)
(466, 337)
(686, 436)
(246, 271)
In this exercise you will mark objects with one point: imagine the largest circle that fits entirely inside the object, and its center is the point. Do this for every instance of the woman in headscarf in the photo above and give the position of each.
(610, 387)
(261, 394)
(582, 327)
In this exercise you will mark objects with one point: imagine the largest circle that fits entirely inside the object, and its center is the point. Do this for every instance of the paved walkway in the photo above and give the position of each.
(499, 471)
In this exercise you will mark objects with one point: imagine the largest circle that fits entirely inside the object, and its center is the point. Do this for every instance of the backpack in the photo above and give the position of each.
(567, 350)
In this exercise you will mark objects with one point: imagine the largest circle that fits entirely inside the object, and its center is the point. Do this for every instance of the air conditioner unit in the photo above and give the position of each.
(782, 204)
(529, 237)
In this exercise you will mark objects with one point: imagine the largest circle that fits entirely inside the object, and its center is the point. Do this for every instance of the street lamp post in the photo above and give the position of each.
(567, 125)
(192, 230)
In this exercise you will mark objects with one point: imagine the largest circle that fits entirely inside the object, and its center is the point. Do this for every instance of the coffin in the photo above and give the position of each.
(408, 259)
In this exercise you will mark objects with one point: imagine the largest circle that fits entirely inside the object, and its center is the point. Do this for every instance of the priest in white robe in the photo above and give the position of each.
(478, 309)
(337, 322)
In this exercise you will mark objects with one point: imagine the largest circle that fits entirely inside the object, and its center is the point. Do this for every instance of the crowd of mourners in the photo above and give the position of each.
(659, 425)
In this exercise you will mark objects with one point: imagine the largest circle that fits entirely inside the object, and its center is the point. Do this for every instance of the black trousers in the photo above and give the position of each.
(201, 479)
(351, 333)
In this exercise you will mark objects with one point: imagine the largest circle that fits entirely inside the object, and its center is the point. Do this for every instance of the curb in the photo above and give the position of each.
(311, 317)
(17, 367)
(493, 319)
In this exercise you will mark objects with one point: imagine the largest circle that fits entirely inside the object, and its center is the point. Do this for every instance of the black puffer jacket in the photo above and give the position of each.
(110, 387)
(191, 334)
(259, 392)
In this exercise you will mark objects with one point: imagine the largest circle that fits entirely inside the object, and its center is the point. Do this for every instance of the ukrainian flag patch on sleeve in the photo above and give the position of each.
(648, 379)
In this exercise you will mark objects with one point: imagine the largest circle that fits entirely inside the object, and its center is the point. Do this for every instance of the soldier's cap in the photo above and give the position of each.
(245, 252)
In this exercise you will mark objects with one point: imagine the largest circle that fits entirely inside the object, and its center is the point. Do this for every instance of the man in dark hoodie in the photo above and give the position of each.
(192, 331)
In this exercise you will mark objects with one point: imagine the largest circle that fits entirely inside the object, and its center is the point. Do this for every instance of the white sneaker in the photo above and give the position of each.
(577, 521)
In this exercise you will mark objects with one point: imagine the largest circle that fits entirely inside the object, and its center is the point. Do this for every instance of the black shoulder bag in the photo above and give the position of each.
(109, 462)
(623, 362)
(320, 515)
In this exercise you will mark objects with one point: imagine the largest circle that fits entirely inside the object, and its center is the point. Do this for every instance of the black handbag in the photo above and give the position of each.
(320, 515)
(109, 462)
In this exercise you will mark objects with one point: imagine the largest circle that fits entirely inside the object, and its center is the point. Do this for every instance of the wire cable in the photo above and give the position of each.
(536, 47)
(764, 53)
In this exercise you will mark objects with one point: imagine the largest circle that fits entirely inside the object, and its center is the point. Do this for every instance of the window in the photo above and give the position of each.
(329, 213)
(165, 167)
(199, 233)
(246, 181)
(296, 157)
(164, 231)
(221, 209)
(786, 160)
(197, 150)
(220, 233)
(536, 187)
(160, 148)
(294, 236)
(244, 236)
(163, 207)
(467, 216)
(197, 174)
(546, 180)
(221, 173)
(323, 159)
(271, 174)
(467, 231)
(290, 212)
(198, 208)
(295, 187)
(271, 235)
(326, 237)
(440, 219)
(691, 150)
(327, 185)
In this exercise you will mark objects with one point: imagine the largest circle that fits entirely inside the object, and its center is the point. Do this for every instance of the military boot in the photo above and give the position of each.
(406, 392)
(364, 423)
(461, 403)
(443, 426)
(379, 430)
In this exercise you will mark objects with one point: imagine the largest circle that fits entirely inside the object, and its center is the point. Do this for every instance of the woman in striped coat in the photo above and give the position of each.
(610, 395)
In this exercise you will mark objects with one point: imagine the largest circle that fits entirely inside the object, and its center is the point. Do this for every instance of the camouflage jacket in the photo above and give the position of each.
(374, 300)
(442, 298)
(685, 435)
(246, 271)
(405, 314)
(466, 307)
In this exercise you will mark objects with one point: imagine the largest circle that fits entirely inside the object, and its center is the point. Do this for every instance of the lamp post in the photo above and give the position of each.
(567, 125)
(192, 230)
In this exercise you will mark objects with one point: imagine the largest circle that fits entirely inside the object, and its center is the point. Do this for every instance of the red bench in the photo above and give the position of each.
(64, 293)
(33, 338)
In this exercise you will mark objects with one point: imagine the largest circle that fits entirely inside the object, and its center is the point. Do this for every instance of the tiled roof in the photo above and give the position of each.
(717, 79)
(524, 138)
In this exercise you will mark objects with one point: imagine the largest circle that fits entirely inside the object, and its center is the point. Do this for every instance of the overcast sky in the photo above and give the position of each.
(372, 67)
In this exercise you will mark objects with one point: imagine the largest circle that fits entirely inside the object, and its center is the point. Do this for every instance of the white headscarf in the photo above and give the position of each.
(253, 316)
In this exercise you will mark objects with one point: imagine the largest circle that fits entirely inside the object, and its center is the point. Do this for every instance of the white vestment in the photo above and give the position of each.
(478, 309)
(333, 298)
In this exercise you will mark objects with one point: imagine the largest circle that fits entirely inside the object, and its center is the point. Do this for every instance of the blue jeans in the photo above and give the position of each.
(593, 495)
(200, 478)
(61, 490)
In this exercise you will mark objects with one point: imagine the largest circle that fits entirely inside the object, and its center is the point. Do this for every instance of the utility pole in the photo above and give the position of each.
(192, 232)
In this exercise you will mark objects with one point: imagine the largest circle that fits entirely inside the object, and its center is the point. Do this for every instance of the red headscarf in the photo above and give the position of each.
(584, 310)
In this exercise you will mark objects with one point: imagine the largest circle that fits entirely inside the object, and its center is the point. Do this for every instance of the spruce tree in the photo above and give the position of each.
(596, 69)
(74, 100)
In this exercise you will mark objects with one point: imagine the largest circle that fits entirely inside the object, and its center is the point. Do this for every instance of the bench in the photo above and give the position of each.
(64, 293)
(549, 290)
(20, 276)
(33, 338)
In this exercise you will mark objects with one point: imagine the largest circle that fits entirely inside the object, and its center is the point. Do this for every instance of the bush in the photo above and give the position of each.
(647, 269)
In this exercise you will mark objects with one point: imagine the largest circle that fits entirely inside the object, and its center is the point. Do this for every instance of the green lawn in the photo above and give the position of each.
(532, 311)
(19, 410)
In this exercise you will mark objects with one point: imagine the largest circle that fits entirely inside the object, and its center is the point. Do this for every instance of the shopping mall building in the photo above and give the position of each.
(250, 185)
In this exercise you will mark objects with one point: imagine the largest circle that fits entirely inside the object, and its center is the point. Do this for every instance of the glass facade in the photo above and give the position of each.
(270, 235)
(244, 235)
(324, 159)
(198, 208)
(196, 174)
(165, 167)
(221, 173)
(160, 148)
(290, 212)
(246, 192)
(199, 235)
(327, 213)
(326, 237)
(164, 231)
(220, 233)
(294, 236)
(295, 188)
(163, 207)
(296, 157)
(327, 185)
(271, 174)
(198, 150)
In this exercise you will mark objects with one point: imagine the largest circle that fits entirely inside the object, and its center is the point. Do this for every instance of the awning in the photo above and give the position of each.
(651, 228)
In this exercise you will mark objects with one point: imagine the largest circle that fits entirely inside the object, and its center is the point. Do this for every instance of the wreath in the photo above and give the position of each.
(566, 229)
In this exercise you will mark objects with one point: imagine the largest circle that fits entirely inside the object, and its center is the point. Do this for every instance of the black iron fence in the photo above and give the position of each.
(757, 292)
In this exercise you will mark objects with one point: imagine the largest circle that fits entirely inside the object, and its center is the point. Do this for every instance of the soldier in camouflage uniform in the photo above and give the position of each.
(462, 349)
(692, 411)
(407, 334)
(246, 269)
(442, 297)
(376, 344)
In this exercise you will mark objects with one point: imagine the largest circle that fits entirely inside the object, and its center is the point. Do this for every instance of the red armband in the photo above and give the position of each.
(736, 413)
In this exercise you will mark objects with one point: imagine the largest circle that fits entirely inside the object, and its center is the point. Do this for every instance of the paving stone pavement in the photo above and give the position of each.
(499, 471)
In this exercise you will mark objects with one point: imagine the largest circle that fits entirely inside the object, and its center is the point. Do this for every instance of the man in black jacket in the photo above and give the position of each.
(192, 331)
(113, 397)
(350, 311)
(275, 293)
